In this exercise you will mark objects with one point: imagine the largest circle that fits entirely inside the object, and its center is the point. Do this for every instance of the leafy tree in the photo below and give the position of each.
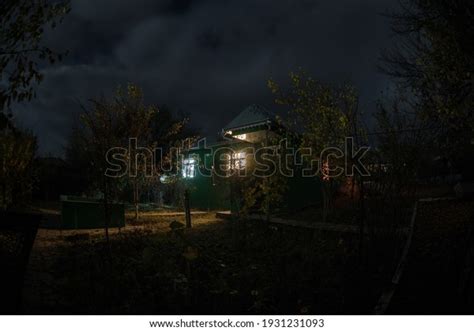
(17, 152)
(78, 160)
(22, 52)
(402, 140)
(124, 122)
(434, 61)
(152, 129)
(100, 130)
(170, 132)
(136, 117)
(22, 49)
(263, 193)
(320, 116)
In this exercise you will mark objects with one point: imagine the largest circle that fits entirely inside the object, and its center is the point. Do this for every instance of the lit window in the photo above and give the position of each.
(189, 168)
(241, 136)
(236, 161)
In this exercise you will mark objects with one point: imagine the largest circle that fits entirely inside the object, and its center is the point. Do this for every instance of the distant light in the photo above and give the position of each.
(241, 136)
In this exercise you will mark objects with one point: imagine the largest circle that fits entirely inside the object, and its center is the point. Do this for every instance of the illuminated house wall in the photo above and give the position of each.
(251, 128)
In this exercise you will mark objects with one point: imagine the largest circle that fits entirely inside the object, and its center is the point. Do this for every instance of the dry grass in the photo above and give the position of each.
(221, 267)
(236, 268)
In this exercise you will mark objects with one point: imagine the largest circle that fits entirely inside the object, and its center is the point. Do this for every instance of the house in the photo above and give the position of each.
(205, 168)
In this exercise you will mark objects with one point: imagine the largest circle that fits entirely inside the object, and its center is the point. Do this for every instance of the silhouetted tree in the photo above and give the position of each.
(17, 152)
(124, 122)
(22, 49)
(434, 61)
(22, 52)
(322, 117)
(100, 131)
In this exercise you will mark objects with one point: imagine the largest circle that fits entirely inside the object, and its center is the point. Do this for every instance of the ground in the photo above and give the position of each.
(228, 267)
(219, 266)
(431, 283)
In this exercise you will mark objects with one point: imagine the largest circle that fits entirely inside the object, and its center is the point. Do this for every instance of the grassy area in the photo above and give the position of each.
(245, 267)
(217, 267)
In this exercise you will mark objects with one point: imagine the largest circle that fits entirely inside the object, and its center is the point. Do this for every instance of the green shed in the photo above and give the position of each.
(87, 213)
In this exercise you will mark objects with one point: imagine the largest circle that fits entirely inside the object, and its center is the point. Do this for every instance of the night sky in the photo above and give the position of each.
(208, 58)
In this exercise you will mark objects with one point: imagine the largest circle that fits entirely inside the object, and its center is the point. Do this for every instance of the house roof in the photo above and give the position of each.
(252, 115)
(210, 141)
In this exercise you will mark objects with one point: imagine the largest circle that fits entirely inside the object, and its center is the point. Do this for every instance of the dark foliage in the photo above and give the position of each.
(22, 50)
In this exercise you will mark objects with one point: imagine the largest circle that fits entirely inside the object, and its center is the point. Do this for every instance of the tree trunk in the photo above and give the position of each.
(135, 199)
(4, 184)
(187, 209)
(106, 208)
(4, 194)
(362, 224)
(326, 200)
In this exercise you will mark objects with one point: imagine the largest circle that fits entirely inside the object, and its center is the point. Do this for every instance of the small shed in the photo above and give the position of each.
(88, 213)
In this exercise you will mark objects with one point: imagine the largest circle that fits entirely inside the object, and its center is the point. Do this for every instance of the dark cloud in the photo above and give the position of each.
(210, 58)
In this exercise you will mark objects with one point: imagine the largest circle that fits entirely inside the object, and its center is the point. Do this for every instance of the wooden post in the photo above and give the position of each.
(187, 209)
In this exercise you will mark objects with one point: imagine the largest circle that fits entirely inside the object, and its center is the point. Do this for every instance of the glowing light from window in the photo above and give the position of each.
(236, 161)
(241, 136)
(189, 168)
